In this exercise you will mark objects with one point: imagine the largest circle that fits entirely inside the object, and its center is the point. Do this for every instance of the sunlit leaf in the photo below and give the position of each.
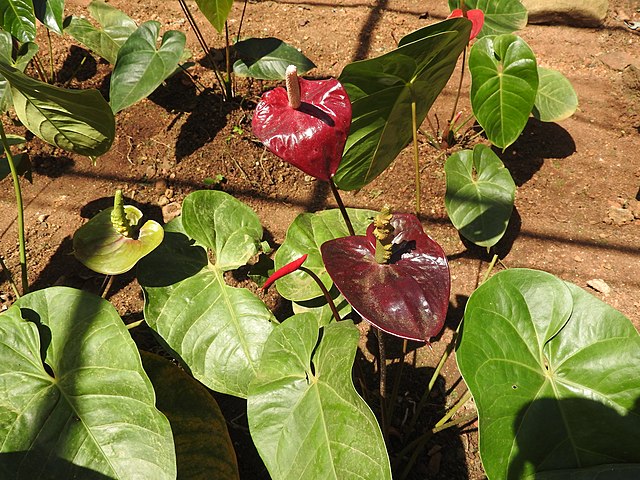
(501, 16)
(18, 18)
(556, 99)
(216, 11)
(268, 59)
(50, 13)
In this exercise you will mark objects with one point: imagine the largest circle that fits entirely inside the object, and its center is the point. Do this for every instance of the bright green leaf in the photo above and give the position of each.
(19, 19)
(268, 59)
(199, 430)
(216, 330)
(223, 224)
(24, 55)
(556, 99)
(100, 247)
(382, 90)
(115, 28)
(305, 416)
(141, 67)
(78, 121)
(504, 81)
(216, 11)
(74, 399)
(305, 236)
(480, 195)
(553, 371)
(12, 140)
(500, 16)
(50, 13)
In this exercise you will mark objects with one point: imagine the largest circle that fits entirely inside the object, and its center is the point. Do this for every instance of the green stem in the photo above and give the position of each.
(325, 292)
(9, 278)
(244, 9)
(490, 268)
(39, 69)
(50, 56)
(106, 285)
(135, 324)
(455, 103)
(20, 207)
(452, 411)
(416, 159)
(227, 52)
(343, 210)
(396, 385)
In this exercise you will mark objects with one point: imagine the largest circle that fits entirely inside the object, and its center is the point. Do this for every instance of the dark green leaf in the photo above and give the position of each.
(553, 371)
(500, 16)
(504, 81)
(50, 13)
(268, 58)
(216, 11)
(480, 195)
(305, 416)
(79, 121)
(12, 140)
(115, 28)
(141, 67)
(305, 236)
(556, 99)
(382, 90)
(199, 430)
(74, 399)
(19, 19)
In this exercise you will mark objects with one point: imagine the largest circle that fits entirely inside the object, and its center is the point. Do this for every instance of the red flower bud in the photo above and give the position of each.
(286, 270)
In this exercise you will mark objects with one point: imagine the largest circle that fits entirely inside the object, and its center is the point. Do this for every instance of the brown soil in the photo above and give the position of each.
(577, 181)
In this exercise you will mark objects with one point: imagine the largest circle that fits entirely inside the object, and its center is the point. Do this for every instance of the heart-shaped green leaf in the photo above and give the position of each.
(382, 90)
(504, 81)
(216, 11)
(100, 247)
(268, 59)
(553, 371)
(216, 330)
(18, 18)
(24, 55)
(221, 223)
(480, 195)
(305, 236)
(79, 121)
(500, 16)
(74, 399)
(407, 297)
(50, 13)
(556, 99)
(115, 28)
(305, 417)
(199, 430)
(141, 67)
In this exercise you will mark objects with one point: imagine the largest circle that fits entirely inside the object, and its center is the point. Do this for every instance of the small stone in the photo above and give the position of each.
(168, 193)
(163, 200)
(578, 259)
(618, 60)
(619, 216)
(150, 171)
(308, 178)
(634, 207)
(160, 185)
(170, 211)
(599, 285)
(579, 13)
(43, 217)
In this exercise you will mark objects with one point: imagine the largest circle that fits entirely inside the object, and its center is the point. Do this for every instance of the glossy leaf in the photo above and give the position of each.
(480, 195)
(304, 236)
(19, 19)
(500, 16)
(552, 370)
(556, 99)
(141, 67)
(74, 399)
(12, 140)
(78, 121)
(100, 247)
(223, 224)
(311, 137)
(50, 13)
(114, 29)
(268, 59)
(199, 429)
(217, 331)
(305, 416)
(216, 11)
(24, 55)
(382, 89)
(504, 81)
(409, 296)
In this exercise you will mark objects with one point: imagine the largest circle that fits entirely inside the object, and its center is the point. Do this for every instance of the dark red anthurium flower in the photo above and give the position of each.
(476, 16)
(306, 125)
(407, 297)
(286, 270)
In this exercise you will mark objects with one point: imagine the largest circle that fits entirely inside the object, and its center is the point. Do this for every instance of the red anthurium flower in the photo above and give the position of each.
(306, 125)
(407, 297)
(477, 19)
(286, 270)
